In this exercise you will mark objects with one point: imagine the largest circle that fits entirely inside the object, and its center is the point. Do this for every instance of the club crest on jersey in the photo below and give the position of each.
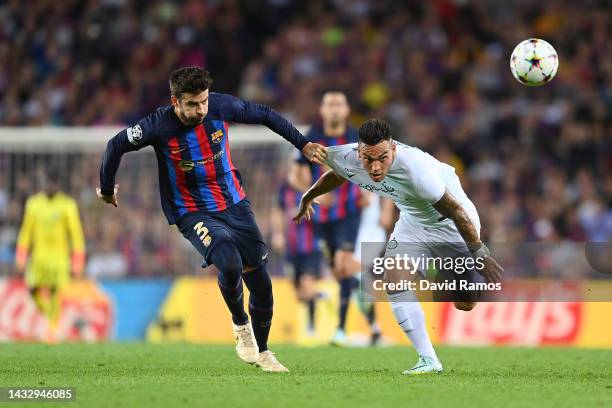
(134, 134)
(217, 136)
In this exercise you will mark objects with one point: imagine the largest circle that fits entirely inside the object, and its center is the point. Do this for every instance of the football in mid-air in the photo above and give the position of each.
(534, 62)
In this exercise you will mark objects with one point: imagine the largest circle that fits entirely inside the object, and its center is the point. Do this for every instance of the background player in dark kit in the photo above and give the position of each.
(337, 219)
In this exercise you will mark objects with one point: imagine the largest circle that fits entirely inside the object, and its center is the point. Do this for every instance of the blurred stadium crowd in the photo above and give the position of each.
(536, 162)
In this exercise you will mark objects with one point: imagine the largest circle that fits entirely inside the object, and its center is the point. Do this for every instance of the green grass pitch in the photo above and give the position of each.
(186, 375)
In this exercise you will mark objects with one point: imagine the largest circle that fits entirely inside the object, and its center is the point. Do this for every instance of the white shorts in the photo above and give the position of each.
(430, 239)
(437, 244)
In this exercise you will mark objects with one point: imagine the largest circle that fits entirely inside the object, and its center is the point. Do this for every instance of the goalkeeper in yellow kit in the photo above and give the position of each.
(51, 237)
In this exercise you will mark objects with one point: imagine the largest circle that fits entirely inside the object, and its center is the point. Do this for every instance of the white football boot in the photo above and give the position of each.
(246, 345)
(425, 365)
(268, 362)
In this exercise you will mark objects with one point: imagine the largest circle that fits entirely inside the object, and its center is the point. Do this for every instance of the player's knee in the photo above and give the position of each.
(343, 264)
(305, 288)
(303, 295)
(465, 306)
(228, 261)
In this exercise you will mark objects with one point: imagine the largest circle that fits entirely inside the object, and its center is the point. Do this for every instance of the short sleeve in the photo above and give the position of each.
(336, 159)
(427, 183)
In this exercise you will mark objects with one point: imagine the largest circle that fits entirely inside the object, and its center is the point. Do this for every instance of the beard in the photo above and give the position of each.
(191, 121)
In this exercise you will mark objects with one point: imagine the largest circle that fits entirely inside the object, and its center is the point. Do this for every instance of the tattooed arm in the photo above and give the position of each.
(449, 207)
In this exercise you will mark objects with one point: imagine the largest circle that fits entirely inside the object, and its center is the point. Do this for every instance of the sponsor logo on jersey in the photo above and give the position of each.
(134, 134)
(217, 136)
(188, 165)
(384, 189)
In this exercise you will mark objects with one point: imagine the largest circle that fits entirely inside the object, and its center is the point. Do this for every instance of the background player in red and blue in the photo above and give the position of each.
(337, 218)
(202, 193)
(300, 246)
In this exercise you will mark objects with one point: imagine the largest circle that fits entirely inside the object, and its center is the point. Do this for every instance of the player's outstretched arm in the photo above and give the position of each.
(326, 183)
(449, 207)
(242, 111)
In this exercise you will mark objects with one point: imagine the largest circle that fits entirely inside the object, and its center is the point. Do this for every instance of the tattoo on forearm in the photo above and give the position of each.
(450, 208)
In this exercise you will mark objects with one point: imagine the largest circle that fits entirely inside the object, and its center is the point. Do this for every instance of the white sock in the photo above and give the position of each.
(411, 319)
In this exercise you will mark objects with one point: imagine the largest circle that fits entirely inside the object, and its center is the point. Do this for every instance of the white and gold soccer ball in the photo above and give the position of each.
(534, 62)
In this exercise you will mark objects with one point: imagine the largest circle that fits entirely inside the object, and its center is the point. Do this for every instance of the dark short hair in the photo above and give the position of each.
(193, 80)
(333, 90)
(374, 131)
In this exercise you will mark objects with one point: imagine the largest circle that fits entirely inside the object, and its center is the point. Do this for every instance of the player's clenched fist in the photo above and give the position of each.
(315, 152)
(492, 271)
(109, 199)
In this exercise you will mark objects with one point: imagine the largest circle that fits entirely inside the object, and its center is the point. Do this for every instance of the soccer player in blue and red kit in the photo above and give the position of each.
(202, 193)
(338, 216)
(301, 250)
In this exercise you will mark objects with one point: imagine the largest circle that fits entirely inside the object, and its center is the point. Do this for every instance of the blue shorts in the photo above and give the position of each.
(206, 230)
(339, 234)
(305, 264)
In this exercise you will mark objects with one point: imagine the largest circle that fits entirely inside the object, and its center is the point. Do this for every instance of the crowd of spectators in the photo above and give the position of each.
(537, 162)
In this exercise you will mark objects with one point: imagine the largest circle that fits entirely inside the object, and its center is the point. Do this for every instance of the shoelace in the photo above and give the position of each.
(244, 336)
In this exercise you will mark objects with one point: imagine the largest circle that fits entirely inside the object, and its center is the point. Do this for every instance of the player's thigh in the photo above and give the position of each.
(205, 232)
(48, 273)
(343, 234)
(407, 261)
(307, 271)
(306, 265)
(246, 235)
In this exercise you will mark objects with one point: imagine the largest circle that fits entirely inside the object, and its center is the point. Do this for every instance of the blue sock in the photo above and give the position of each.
(260, 304)
(227, 260)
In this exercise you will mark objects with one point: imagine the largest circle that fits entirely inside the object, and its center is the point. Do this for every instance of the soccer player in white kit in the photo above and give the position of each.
(436, 218)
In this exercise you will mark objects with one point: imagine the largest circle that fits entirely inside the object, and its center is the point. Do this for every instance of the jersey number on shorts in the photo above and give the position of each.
(202, 232)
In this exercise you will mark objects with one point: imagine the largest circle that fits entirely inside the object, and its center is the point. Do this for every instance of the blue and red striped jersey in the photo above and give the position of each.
(196, 172)
(348, 195)
(300, 238)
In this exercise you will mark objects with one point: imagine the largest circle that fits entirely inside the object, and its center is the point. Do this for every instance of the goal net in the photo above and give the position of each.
(134, 239)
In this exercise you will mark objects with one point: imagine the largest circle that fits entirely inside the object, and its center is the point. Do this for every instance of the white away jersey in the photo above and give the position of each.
(415, 181)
